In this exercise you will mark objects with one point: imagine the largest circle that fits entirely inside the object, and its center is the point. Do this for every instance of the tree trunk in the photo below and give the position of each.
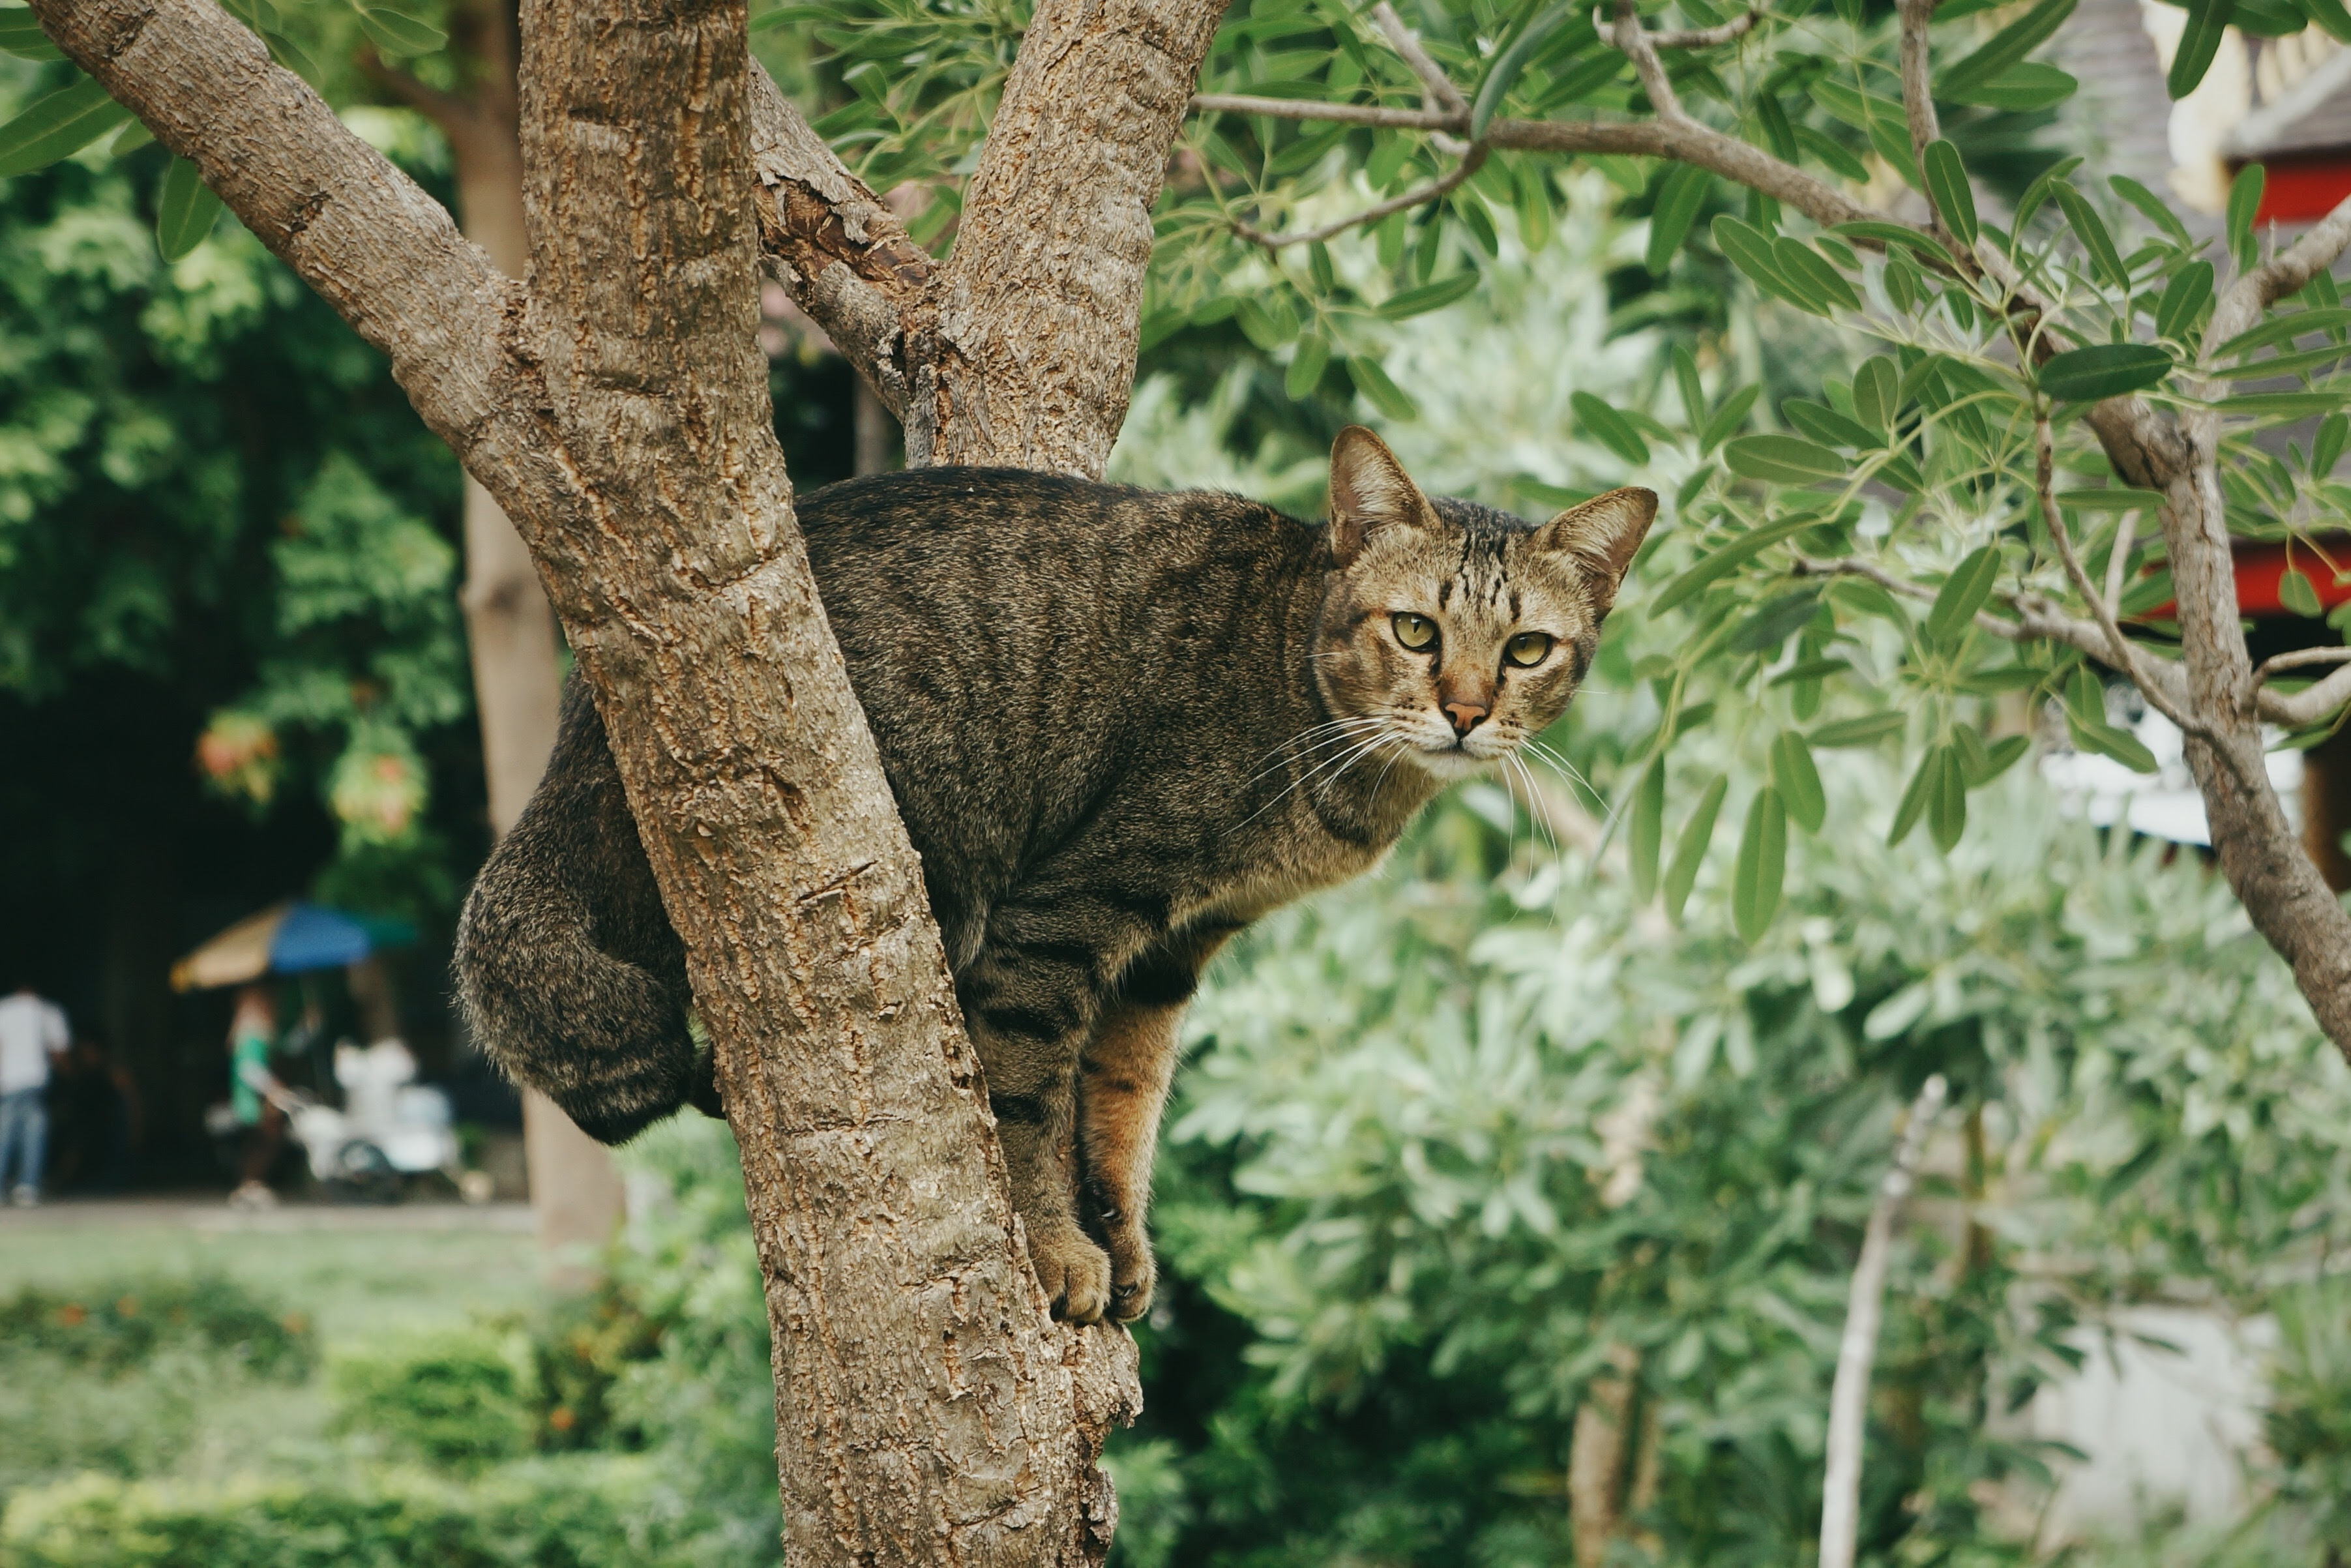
(928, 1409)
(576, 1192)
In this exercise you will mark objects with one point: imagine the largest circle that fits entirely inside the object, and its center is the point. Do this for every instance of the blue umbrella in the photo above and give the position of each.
(288, 939)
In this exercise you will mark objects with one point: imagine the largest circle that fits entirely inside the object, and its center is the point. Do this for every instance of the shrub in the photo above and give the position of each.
(574, 1513)
(455, 1398)
(124, 1324)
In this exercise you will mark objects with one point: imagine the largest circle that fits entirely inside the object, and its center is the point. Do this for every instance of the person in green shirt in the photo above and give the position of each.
(253, 1090)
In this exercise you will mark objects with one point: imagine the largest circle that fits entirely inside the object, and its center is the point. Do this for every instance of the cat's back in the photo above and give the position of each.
(1022, 642)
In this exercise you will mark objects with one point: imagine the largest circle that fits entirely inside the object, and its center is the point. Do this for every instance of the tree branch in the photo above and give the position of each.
(1857, 1350)
(1039, 308)
(2162, 687)
(1439, 87)
(1443, 184)
(2300, 659)
(1630, 37)
(836, 246)
(1707, 38)
(1918, 89)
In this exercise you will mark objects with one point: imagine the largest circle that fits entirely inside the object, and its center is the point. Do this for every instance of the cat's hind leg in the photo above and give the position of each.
(1123, 1081)
(1031, 1000)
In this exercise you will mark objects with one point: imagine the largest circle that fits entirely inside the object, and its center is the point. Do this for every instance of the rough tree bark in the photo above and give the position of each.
(575, 1187)
(928, 1409)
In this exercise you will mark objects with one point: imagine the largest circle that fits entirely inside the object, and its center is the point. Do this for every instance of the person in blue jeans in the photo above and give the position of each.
(32, 1031)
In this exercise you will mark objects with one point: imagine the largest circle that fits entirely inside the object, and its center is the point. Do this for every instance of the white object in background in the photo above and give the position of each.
(2160, 1429)
(2165, 804)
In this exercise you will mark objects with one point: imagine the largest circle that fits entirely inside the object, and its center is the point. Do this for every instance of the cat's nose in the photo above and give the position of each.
(1465, 716)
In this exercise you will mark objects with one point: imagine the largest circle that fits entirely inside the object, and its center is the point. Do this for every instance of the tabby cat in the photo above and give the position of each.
(1120, 726)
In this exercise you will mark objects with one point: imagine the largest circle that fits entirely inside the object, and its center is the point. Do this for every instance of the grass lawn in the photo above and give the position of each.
(355, 1277)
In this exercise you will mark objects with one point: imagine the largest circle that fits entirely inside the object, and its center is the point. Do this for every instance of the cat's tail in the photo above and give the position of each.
(569, 972)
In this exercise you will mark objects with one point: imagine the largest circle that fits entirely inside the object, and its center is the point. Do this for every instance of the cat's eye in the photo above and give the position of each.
(1417, 633)
(1527, 648)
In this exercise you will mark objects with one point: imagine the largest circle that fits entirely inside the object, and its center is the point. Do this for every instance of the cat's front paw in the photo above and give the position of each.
(1073, 1270)
(1134, 1274)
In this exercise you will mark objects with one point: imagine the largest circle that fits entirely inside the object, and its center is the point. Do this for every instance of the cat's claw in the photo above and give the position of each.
(1134, 1278)
(1074, 1272)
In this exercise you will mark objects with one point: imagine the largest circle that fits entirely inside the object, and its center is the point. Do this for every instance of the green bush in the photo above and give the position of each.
(456, 1399)
(574, 1513)
(118, 1326)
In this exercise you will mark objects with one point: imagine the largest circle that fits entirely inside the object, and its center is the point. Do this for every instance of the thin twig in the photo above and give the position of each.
(1918, 90)
(2307, 706)
(1441, 90)
(1629, 35)
(1857, 1350)
(1344, 113)
(1442, 185)
(2300, 659)
(2167, 695)
(2118, 560)
(1707, 38)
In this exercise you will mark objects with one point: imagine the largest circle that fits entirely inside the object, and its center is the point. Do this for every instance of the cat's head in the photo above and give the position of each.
(1451, 632)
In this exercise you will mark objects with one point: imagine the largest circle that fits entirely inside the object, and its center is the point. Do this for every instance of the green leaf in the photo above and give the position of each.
(1999, 758)
(1372, 379)
(1812, 281)
(2110, 499)
(63, 122)
(1885, 233)
(1799, 782)
(1679, 196)
(1963, 593)
(396, 34)
(2038, 191)
(185, 211)
(2003, 49)
(1915, 795)
(2296, 594)
(2092, 230)
(1761, 867)
(2282, 405)
(2106, 740)
(2331, 15)
(1689, 850)
(2103, 370)
(1775, 622)
(2021, 88)
(21, 35)
(1834, 153)
(1503, 75)
(1644, 837)
(1727, 418)
(1691, 390)
(2184, 299)
(1728, 559)
(1429, 296)
(1826, 425)
(2150, 205)
(2327, 447)
(2207, 23)
(1878, 392)
(129, 139)
(1608, 428)
(2285, 329)
(1947, 799)
(1306, 368)
(1867, 730)
(1784, 459)
(1750, 250)
(1947, 187)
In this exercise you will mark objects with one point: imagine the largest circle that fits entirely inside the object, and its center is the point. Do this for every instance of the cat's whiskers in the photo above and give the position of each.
(1341, 761)
(1566, 770)
(1538, 809)
(1346, 728)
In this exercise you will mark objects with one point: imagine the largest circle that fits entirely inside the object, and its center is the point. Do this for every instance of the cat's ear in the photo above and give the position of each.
(1603, 535)
(1369, 491)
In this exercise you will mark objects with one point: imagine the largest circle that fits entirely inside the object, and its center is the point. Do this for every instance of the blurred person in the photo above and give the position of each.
(32, 1031)
(253, 1092)
(93, 1119)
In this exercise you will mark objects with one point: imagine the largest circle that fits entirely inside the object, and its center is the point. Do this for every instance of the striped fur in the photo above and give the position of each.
(1120, 726)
